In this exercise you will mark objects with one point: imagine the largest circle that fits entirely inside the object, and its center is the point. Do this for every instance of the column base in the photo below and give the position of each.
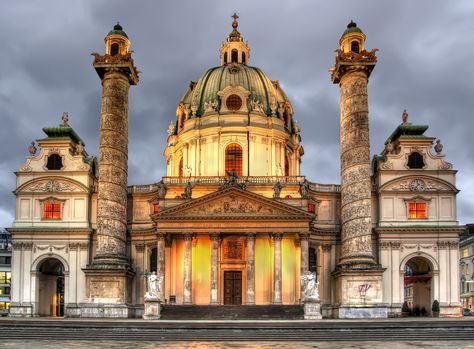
(21, 310)
(359, 294)
(103, 310)
(109, 291)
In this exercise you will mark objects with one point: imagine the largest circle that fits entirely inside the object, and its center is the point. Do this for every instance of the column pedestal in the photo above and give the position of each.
(359, 294)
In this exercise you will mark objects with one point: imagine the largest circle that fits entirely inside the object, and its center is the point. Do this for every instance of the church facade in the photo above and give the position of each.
(234, 221)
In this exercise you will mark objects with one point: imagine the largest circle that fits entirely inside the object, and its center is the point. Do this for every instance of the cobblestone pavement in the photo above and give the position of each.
(230, 345)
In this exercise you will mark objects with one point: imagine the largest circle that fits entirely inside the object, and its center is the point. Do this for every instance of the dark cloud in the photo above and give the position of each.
(424, 66)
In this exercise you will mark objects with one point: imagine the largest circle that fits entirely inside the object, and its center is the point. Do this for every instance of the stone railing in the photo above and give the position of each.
(220, 180)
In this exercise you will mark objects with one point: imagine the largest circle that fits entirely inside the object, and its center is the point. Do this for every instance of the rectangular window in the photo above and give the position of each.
(417, 210)
(4, 290)
(155, 208)
(4, 306)
(465, 252)
(3, 277)
(51, 210)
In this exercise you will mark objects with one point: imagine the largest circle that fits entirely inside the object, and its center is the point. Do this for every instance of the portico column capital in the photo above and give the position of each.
(304, 235)
(277, 236)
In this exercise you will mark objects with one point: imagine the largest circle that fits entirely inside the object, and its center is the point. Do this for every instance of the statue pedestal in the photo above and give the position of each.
(152, 309)
(312, 310)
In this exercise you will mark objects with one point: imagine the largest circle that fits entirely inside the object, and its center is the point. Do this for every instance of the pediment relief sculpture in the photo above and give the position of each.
(233, 204)
(419, 185)
(51, 186)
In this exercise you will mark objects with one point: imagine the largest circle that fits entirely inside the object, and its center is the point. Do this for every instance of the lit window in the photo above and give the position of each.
(311, 207)
(417, 210)
(51, 210)
(465, 252)
(233, 159)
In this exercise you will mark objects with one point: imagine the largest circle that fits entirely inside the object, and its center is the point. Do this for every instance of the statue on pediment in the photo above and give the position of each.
(32, 149)
(162, 189)
(277, 190)
(188, 192)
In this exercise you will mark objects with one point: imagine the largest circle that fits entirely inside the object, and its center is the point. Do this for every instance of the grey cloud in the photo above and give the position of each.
(424, 66)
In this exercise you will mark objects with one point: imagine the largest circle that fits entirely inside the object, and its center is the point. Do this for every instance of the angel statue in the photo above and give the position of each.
(153, 283)
(310, 292)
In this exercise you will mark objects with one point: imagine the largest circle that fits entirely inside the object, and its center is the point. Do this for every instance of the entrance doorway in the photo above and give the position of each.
(417, 286)
(51, 288)
(232, 287)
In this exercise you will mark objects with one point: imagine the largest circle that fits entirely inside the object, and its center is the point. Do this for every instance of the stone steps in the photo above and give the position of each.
(325, 330)
(232, 312)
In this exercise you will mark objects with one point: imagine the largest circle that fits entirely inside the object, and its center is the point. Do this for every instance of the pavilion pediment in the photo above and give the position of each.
(233, 203)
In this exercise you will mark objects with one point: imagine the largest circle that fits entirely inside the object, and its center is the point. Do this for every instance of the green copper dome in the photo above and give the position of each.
(118, 30)
(216, 79)
(352, 28)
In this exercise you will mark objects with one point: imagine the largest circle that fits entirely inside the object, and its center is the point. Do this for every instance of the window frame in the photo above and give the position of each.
(52, 201)
(233, 164)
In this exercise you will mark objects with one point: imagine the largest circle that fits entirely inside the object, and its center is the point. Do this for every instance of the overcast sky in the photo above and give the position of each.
(424, 65)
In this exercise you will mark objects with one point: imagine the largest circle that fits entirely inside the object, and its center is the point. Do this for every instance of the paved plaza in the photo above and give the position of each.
(83, 344)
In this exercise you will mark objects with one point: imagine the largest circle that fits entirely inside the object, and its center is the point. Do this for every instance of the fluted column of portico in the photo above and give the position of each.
(250, 294)
(188, 271)
(304, 258)
(277, 268)
(214, 267)
(160, 267)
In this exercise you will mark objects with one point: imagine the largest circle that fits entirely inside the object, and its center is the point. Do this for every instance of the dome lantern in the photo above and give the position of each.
(117, 42)
(353, 39)
(234, 50)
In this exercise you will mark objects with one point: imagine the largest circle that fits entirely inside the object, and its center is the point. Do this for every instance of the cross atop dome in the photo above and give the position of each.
(235, 24)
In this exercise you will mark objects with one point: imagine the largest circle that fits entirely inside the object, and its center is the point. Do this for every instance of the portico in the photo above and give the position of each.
(232, 247)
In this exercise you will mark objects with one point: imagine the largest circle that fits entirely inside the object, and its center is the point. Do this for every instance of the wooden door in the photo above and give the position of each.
(232, 287)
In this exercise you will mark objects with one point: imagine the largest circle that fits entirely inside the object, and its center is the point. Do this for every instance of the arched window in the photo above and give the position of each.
(243, 58)
(153, 260)
(233, 159)
(55, 162)
(415, 160)
(225, 57)
(355, 46)
(287, 166)
(180, 168)
(114, 49)
(235, 56)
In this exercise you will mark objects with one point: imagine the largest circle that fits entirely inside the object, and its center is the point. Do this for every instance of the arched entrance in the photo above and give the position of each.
(51, 288)
(418, 286)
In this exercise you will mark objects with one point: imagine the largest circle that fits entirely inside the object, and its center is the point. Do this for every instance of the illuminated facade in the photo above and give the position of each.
(234, 221)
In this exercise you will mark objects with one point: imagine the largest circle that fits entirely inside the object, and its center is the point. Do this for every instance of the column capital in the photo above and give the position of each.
(161, 236)
(326, 247)
(140, 247)
(188, 236)
(304, 235)
(251, 236)
(277, 236)
(215, 236)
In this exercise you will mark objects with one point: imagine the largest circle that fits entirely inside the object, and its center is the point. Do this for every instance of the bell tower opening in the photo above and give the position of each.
(114, 49)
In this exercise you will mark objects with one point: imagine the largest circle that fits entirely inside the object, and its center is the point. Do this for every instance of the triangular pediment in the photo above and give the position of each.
(233, 203)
